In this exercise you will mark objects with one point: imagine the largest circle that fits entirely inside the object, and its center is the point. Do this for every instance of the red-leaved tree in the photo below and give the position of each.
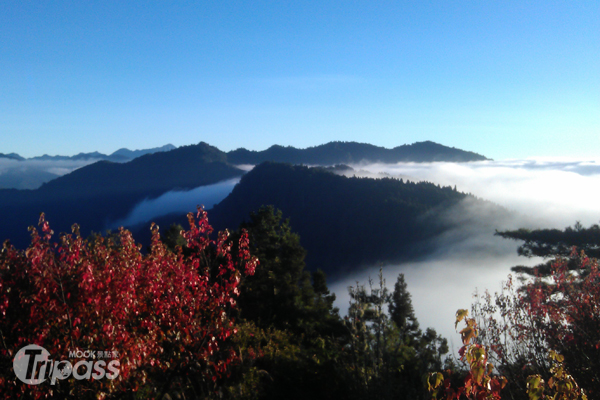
(167, 317)
(555, 314)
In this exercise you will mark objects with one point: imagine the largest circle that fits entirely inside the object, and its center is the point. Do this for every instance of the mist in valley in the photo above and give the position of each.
(32, 173)
(469, 258)
(176, 201)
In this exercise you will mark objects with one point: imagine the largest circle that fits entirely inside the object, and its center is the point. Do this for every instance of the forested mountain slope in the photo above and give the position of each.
(343, 222)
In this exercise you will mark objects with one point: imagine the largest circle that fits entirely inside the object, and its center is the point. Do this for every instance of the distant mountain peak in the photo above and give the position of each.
(131, 154)
(12, 156)
(32, 173)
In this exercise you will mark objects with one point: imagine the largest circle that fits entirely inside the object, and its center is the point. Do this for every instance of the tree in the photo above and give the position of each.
(480, 381)
(167, 316)
(389, 354)
(515, 337)
(551, 243)
(401, 309)
(173, 237)
(555, 312)
(292, 335)
(281, 293)
(562, 297)
(570, 309)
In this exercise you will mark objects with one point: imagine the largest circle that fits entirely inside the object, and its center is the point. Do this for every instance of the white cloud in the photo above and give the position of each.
(540, 193)
(547, 193)
(30, 174)
(177, 201)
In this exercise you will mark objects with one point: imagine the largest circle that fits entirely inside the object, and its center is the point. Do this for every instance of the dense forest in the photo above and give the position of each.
(361, 221)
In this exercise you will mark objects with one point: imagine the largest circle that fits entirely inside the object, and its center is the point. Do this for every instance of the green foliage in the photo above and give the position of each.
(281, 294)
(173, 238)
(401, 309)
(295, 345)
(389, 355)
(294, 334)
(263, 354)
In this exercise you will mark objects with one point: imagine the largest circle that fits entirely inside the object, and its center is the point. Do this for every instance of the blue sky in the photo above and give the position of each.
(505, 79)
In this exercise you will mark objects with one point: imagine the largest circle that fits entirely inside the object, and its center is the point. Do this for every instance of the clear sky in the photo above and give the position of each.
(506, 79)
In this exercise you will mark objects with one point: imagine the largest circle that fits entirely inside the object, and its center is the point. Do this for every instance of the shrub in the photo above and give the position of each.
(166, 315)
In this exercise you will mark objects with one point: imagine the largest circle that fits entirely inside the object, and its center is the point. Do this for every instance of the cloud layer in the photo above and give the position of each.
(30, 174)
(539, 194)
(177, 201)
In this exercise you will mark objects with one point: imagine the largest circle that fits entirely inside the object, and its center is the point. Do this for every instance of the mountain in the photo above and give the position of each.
(346, 222)
(11, 156)
(183, 168)
(131, 154)
(121, 155)
(352, 152)
(24, 178)
(80, 157)
(31, 173)
(104, 191)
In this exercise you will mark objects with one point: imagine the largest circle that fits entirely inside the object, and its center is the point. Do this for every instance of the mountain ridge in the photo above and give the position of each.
(31, 173)
(105, 191)
(121, 155)
(12, 156)
(354, 152)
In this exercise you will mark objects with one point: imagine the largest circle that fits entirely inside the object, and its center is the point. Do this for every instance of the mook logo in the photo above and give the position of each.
(33, 366)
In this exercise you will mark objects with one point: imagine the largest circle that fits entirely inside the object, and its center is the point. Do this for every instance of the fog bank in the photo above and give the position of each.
(539, 194)
(177, 201)
(547, 193)
(31, 174)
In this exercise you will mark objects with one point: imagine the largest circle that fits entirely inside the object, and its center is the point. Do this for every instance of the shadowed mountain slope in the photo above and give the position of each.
(98, 193)
(342, 222)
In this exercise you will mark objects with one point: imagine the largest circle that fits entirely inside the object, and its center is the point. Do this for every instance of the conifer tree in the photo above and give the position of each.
(401, 309)
(551, 243)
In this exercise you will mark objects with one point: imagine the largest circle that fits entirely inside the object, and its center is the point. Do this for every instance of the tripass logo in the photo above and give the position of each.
(33, 366)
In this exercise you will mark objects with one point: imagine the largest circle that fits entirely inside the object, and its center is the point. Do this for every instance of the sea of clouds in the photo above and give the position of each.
(539, 193)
